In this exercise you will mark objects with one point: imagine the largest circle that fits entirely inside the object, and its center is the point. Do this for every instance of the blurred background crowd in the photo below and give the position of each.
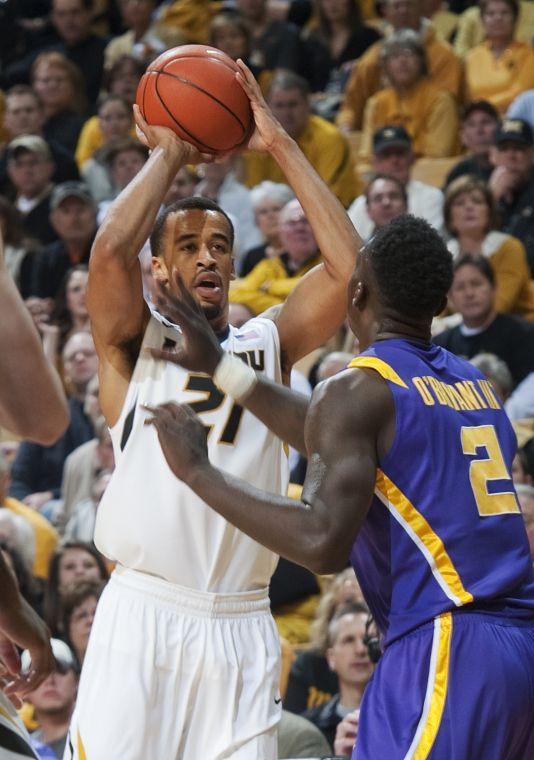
(415, 106)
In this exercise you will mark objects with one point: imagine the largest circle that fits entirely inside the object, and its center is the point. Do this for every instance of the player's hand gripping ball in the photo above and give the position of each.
(192, 90)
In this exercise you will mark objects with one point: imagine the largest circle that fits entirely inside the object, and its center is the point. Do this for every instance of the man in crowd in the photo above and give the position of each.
(24, 116)
(392, 155)
(444, 67)
(272, 280)
(30, 168)
(482, 329)
(512, 181)
(348, 656)
(327, 150)
(73, 217)
(477, 132)
(53, 701)
(385, 199)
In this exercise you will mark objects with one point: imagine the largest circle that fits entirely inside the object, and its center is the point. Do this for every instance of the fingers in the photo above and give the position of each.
(163, 355)
(9, 656)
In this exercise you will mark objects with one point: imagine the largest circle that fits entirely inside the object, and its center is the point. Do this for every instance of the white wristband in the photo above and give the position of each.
(234, 377)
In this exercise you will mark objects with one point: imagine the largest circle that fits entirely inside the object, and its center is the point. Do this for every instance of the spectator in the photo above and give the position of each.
(393, 155)
(470, 220)
(321, 142)
(298, 737)
(74, 562)
(73, 216)
(124, 159)
(37, 470)
(17, 533)
(45, 538)
(477, 133)
(30, 169)
(525, 495)
(123, 77)
(114, 121)
(81, 526)
(512, 181)
(523, 108)
(520, 405)
(59, 84)
(275, 44)
(183, 185)
(412, 100)
(140, 40)
(272, 280)
(230, 33)
(334, 42)
(53, 701)
(69, 314)
(25, 116)
(497, 373)
(471, 29)
(482, 329)
(444, 68)
(500, 68)
(521, 473)
(444, 22)
(348, 657)
(19, 249)
(79, 607)
(218, 182)
(386, 200)
(311, 682)
(268, 199)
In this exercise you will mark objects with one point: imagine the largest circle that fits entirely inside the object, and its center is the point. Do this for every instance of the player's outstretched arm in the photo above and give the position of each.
(115, 295)
(344, 441)
(282, 410)
(317, 306)
(32, 401)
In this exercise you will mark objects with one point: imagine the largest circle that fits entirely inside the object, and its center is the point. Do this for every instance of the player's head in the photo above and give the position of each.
(400, 281)
(194, 237)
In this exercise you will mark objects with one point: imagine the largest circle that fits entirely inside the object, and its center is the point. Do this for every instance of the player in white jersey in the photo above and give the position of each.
(183, 659)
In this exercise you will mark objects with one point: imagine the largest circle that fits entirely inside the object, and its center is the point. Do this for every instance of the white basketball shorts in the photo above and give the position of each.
(174, 673)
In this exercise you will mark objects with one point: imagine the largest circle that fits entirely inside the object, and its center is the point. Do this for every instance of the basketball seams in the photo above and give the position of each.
(197, 87)
(182, 128)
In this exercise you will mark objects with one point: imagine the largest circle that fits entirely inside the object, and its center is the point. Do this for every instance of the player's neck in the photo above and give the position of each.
(389, 328)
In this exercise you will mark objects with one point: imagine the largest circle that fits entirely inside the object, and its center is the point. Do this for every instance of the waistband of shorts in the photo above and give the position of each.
(191, 601)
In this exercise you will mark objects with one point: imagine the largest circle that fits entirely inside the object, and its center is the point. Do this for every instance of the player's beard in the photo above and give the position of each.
(211, 311)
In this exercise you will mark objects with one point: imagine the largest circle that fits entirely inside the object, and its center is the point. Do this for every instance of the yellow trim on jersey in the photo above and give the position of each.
(424, 537)
(8, 717)
(80, 747)
(436, 693)
(382, 367)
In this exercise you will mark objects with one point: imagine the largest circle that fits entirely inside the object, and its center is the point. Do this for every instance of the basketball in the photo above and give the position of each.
(192, 89)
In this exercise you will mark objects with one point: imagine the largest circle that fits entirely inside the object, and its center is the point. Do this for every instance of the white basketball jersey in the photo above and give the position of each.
(150, 521)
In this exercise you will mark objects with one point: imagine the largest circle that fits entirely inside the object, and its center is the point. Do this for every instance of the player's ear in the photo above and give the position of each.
(330, 659)
(359, 295)
(159, 270)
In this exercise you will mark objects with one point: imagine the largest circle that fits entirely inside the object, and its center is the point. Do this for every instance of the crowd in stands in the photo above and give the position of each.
(402, 106)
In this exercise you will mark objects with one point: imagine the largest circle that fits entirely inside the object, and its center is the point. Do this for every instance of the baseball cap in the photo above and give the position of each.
(70, 190)
(389, 137)
(63, 656)
(514, 130)
(480, 105)
(31, 143)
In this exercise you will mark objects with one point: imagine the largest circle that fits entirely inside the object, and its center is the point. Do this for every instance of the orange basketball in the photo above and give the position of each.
(192, 89)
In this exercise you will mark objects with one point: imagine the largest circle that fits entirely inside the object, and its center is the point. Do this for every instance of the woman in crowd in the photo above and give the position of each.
(229, 33)
(336, 39)
(412, 101)
(19, 250)
(69, 314)
(311, 682)
(470, 220)
(79, 607)
(268, 198)
(60, 85)
(500, 68)
(72, 563)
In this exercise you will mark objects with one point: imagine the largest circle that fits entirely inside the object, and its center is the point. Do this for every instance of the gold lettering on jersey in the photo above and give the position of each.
(461, 396)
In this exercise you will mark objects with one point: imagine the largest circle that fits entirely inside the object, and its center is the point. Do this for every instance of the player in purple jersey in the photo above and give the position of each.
(410, 455)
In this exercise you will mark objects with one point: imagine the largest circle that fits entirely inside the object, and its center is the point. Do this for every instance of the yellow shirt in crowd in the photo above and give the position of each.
(91, 139)
(366, 78)
(471, 30)
(428, 114)
(269, 284)
(46, 537)
(325, 148)
(499, 80)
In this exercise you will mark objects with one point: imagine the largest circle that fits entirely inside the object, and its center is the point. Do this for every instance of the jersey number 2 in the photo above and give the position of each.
(482, 471)
(213, 400)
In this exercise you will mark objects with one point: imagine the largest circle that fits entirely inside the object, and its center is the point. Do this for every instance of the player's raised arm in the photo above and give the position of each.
(115, 295)
(32, 401)
(317, 306)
